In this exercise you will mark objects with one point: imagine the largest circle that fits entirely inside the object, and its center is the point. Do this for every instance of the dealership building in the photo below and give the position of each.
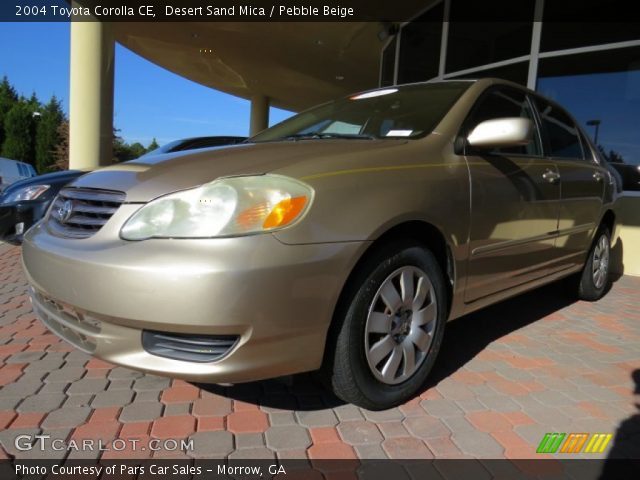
(591, 68)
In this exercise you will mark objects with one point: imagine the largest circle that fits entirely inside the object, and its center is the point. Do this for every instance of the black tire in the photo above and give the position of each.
(347, 369)
(589, 288)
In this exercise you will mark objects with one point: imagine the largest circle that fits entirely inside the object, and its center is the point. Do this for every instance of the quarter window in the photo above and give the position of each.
(560, 131)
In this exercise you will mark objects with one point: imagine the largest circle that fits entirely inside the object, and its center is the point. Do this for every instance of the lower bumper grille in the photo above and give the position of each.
(65, 321)
(189, 348)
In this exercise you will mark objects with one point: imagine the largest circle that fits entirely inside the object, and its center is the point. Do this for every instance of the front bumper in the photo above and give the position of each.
(101, 293)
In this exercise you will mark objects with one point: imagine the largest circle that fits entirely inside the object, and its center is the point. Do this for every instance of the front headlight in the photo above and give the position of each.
(225, 207)
(26, 193)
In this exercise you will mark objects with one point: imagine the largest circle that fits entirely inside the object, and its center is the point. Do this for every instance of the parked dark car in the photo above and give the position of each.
(25, 202)
(630, 175)
(195, 143)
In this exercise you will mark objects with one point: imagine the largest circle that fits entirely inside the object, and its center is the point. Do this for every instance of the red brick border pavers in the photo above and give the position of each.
(506, 376)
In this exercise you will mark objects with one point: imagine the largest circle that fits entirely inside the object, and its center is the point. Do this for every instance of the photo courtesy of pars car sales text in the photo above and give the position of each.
(152, 469)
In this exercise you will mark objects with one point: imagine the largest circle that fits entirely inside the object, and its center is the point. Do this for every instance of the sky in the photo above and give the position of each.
(149, 100)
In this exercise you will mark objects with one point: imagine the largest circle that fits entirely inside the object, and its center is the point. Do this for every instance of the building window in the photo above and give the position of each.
(602, 90)
(561, 35)
(420, 47)
(388, 67)
(515, 72)
(562, 27)
(474, 43)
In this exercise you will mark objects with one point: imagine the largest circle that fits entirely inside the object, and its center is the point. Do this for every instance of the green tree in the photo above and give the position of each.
(153, 145)
(19, 128)
(123, 151)
(612, 156)
(34, 103)
(8, 98)
(615, 157)
(47, 134)
(136, 150)
(61, 150)
(119, 147)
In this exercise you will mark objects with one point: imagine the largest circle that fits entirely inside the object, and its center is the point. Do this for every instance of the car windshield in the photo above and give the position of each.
(409, 111)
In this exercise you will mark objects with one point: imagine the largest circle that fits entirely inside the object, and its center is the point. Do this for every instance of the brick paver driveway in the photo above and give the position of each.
(506, 376)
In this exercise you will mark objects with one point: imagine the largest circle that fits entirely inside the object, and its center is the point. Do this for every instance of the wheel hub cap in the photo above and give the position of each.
(400, 325)
(600, 262)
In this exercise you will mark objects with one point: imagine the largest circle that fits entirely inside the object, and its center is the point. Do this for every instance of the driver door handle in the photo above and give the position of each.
(598, 177)
(551, 176)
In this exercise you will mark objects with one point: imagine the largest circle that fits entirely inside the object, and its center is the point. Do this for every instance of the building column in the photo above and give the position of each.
(626, 251)
(91, 95)
(259, 114)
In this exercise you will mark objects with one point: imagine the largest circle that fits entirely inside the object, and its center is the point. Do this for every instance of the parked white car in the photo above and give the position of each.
(13, 170)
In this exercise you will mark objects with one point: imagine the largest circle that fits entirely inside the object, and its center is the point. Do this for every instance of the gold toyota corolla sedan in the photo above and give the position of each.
(342, 238)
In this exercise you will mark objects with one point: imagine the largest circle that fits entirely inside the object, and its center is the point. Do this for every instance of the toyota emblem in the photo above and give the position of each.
(65, 211)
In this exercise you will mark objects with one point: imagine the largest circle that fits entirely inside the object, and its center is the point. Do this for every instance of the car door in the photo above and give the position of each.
(582, 181)
(515, 197)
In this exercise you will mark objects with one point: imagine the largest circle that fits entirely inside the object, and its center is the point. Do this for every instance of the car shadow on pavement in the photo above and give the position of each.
(302, 392)
(467, 336)
(464, 339)
(626, 443)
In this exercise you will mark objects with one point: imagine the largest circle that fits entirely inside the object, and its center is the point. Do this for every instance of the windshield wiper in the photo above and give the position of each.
(321, 136)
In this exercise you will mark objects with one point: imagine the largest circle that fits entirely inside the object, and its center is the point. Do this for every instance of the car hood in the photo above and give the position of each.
(146, 178)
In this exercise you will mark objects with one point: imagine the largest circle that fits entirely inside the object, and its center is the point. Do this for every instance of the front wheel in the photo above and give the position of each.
(390, 328)
(594, 280)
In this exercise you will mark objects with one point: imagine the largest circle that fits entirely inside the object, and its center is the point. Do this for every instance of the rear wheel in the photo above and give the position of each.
(390, 328)
(594, 280)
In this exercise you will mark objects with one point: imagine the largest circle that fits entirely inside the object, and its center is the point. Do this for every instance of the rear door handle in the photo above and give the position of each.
(551, 176)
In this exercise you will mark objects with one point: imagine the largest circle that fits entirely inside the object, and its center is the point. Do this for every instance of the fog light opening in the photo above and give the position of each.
(186, 347)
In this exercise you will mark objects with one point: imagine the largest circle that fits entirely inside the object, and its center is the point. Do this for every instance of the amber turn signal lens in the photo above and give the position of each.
(284, 212)
(253, 215)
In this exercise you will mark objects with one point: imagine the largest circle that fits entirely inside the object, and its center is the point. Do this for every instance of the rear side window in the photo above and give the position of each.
(589, 152)
(501, 103)
(561, 134)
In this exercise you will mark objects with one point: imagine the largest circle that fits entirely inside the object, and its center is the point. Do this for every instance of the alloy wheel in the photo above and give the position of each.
(601, 262)
(400, 325)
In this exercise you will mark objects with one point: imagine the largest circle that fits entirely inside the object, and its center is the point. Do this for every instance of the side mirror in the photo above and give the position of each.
(501, 133)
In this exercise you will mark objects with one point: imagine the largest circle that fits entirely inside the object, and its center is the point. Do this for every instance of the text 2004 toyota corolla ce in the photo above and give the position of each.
(343, 238)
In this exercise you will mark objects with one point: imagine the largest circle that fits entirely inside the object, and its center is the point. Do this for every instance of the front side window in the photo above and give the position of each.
(410, 111)
(505, 103)
(561, 134)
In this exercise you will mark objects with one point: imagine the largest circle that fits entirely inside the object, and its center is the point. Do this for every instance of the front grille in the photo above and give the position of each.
(65, 321)
(189, 348)
(81, 212)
